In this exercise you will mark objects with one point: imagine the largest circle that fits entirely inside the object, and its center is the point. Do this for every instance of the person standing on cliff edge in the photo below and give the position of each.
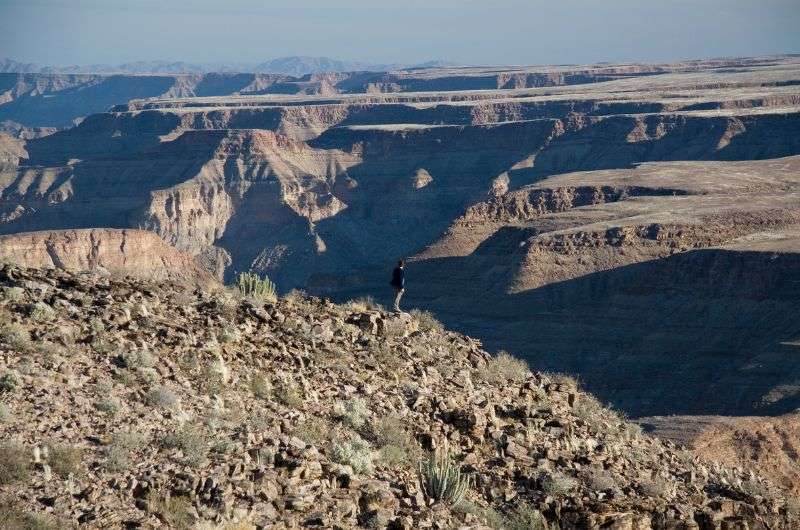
(399, 283)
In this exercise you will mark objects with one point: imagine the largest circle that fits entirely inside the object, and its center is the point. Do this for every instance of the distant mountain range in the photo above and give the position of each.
(294, 66)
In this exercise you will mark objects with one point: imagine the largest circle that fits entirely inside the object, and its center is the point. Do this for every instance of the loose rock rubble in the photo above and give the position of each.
(144, 405)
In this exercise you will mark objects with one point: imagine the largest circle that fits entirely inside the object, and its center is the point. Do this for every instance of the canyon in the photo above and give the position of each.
(637, 226)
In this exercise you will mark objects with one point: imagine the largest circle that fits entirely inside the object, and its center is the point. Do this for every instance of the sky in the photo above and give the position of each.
(66, 32)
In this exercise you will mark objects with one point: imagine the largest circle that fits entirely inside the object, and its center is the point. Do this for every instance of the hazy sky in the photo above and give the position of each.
(63, 32)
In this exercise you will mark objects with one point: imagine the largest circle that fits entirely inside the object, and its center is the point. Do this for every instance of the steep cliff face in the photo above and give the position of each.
(593, 270)
(45, 100)
(134, 253)
(768, 445)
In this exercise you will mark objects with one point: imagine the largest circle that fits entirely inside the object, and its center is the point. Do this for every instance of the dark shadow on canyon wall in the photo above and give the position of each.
(703, 332)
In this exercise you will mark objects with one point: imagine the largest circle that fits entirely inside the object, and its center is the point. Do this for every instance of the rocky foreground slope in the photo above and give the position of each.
(127, 403)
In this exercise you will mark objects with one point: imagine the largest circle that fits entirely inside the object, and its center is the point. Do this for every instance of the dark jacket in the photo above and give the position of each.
(398, 278)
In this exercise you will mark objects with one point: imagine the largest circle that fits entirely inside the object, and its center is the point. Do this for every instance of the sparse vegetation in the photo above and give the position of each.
(136, 359)
(161, 397)
(655, 487)
(522, 517)
(426, 320)
(8, 382)
(40, 312)
(353, 413)
(251, 285)
(176, 511)
(442, 479)
(287, 393)
(395, 446)
(363, 304)
(393, 328)
(260, 386)
(386, 357)
(64, 459)
(15, 463)
(14, 294)
(15, 517)
(354, 452)
(5, 414)
(14, 335)
(295, 296)
(118, 452)
(600, 479)
(314, 431)
(557, 484)
(502, 368)
(190, 441)
(307, 398)
(110, 406)
(227, 335)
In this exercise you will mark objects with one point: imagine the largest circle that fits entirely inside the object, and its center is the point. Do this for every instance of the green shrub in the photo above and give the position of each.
(40, 312)
(5, 414)
(8, 382)
(252, 285)
(353, 412)
(136, 359)
(15, 463)
(354, 452)
(442, 479)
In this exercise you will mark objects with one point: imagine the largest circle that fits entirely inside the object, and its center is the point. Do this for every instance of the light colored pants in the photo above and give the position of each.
(398, 296)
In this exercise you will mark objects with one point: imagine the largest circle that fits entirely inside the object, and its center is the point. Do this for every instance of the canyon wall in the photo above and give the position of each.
(137, 253)
(638, 230)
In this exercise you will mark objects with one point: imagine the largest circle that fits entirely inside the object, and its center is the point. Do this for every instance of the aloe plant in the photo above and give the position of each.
(252, 285)
(442, 479)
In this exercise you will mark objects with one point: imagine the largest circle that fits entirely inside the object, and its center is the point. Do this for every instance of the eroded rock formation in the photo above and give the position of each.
(137, 253)
(557, 207)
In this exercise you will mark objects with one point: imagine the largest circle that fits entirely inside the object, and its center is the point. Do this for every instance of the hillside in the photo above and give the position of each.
(131, 403)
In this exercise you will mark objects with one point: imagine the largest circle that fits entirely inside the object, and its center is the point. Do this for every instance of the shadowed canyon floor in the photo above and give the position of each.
(637, 227)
